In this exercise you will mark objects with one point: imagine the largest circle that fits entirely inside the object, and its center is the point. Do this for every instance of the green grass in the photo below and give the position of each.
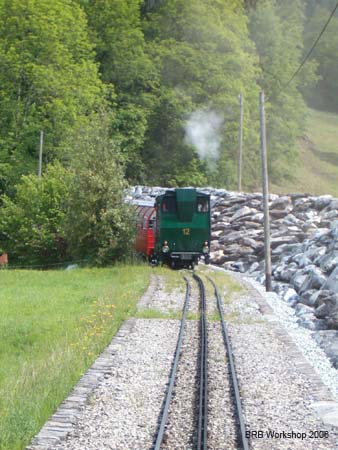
(173, 278)
(317, 169)
(53, 325)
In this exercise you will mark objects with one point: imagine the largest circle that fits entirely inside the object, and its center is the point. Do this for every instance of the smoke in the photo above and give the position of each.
(202, 130)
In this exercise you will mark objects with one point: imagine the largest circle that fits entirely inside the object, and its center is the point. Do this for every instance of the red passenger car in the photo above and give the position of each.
(145, 233)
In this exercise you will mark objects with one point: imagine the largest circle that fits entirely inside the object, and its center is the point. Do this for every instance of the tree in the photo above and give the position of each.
(325, 54)
(99, 224)
(125, 64)
(32, 223)
(277, 29)
(206, 59)
(48, 80)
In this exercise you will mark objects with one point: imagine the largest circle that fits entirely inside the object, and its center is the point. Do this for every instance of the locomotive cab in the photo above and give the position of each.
(182, 232)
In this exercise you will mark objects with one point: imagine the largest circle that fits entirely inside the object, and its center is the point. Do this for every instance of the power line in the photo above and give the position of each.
(312, 48)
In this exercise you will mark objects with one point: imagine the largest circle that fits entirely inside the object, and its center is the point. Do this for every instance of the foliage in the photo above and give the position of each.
(48, 80)
(326, 55)
(98, 223)
(277, 31)
(124, 63)
(31, 224)
(205, 59)
(151, 65)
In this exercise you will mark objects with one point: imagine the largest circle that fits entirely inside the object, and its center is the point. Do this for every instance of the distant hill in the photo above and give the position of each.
(317, 169)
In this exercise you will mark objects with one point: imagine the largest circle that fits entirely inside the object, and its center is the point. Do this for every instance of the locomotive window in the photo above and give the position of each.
(169, 205)
(202, 204)
(151, 224)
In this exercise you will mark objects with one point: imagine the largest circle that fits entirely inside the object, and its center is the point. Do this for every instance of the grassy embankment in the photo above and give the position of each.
(53, 325)
(317, 169)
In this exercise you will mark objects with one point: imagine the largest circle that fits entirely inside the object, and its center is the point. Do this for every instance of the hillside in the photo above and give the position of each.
(317, 169)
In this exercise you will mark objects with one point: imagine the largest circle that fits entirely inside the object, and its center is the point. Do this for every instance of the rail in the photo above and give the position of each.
(202, 431)
(241, 422)
(167, 400)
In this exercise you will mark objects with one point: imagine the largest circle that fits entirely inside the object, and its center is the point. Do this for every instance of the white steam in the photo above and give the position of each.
(202, 130)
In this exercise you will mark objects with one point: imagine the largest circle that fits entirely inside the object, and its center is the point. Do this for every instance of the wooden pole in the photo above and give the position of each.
(240, 146)
(267, 248)
(40, 154)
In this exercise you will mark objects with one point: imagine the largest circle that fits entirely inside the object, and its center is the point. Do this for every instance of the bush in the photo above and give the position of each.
(32, 223)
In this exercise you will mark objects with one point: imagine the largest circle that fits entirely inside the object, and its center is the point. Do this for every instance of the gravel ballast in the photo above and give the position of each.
(282, 391)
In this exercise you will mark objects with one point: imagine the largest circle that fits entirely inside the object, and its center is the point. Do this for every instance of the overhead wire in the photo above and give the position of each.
(311, 49)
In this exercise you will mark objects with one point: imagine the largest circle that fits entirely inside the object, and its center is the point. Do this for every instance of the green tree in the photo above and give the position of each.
(99, 224)
(124, 63)
(277, 30)
(325, 55)
(32, 223)
(206, 59)
(48, 80)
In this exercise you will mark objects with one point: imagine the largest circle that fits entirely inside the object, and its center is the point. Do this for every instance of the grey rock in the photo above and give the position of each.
(322, 201)
(320, 233)
(302, 310)
(242, 212)
(332, 281)
(309, 297)
(314, 280)
(312, 324)
(254, 266)
(328, 340)
(291, 296)
(301, 260)
(285, 272)
(329, 215)
(329, 261)
(298, 279)
(328, 310)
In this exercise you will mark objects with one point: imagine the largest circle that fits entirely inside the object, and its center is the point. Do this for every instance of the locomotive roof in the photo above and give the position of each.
(182, 192)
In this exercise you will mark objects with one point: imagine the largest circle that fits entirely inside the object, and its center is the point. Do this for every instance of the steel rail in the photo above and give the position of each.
(244, 441)
(165, 409)
(202, 431)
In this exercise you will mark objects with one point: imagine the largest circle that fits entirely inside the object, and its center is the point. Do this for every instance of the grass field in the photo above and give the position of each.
(317, 169)
(53, 325)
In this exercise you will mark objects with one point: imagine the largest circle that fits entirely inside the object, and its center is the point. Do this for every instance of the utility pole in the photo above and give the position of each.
(240, 146)
(267, 249)
(40, 154)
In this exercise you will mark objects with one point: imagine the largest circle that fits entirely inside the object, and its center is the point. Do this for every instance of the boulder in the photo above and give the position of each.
(329, 261)
(314, 280)
(290, 296)
(302, 310)
(328, 309)
(242, 212)
(298, 279)
(309, 297)
(312, 324)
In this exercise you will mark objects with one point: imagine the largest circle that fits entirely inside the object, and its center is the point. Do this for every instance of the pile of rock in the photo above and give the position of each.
(304, 250)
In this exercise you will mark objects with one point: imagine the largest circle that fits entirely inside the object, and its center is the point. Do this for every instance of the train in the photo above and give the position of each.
(175, 228)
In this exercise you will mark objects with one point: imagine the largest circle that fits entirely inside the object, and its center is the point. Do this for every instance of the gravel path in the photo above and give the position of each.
(123, 411)
(276, 396)
(157, 297)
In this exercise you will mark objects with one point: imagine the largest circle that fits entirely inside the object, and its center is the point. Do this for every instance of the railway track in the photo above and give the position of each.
(200, 439)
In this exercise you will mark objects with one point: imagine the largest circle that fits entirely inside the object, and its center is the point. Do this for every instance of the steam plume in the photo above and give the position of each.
(202, 131)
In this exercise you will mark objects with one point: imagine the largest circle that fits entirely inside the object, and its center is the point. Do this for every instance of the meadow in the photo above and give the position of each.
(53, 325)
(316, 171)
